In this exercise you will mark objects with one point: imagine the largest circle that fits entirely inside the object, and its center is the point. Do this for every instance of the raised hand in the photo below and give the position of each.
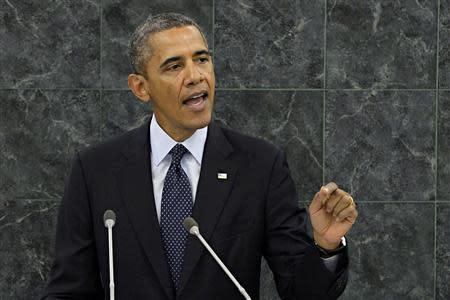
(332, 213)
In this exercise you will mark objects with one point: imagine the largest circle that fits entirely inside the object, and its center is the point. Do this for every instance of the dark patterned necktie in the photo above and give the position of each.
(176, 205)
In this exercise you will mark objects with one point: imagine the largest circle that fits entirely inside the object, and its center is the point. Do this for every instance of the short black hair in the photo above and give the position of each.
(139, 48)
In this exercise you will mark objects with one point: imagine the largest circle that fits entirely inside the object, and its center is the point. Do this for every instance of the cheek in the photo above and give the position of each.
(168, 91)
(171, 95)
(174, 87)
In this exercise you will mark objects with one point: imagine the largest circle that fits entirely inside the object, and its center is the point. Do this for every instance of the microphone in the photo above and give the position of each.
(109, 219)
(191, 226)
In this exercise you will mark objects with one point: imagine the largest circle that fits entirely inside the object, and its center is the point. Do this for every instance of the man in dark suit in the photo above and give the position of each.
(178, 164)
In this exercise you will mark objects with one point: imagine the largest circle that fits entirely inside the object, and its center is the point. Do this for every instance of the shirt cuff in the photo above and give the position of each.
(332, 261)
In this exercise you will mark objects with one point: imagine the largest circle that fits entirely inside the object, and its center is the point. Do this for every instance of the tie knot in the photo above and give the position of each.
(177, 153)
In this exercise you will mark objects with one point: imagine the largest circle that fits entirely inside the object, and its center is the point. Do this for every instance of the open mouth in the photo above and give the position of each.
(196, 100)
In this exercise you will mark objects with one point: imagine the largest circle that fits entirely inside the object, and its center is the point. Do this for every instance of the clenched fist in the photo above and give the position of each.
(332, 213)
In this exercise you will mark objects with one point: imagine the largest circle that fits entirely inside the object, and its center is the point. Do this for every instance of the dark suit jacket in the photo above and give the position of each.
(253, 213)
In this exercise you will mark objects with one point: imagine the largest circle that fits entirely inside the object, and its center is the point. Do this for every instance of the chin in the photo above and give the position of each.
(201, 122)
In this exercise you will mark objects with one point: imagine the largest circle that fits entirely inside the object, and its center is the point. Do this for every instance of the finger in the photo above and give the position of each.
(334, 199)
(316, 203)
(343, 203)
(327, 190)
(350, 213)
(322, 196)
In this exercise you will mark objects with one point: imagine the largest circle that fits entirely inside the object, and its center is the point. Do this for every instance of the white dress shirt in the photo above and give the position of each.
(161, 144)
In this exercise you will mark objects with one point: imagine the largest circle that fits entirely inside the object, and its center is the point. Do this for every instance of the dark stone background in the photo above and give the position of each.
(354, 91)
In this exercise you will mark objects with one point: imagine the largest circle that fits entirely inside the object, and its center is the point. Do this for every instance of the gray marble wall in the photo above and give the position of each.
(354, 91)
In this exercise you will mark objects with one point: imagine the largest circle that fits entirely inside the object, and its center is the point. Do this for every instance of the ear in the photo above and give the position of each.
(138, 85)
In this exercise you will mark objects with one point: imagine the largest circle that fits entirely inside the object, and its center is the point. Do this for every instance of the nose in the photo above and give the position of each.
(194, 74)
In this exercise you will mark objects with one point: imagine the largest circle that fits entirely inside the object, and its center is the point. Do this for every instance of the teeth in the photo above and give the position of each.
(194, 97)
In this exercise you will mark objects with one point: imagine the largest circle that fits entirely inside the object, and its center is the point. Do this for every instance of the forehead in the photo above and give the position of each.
(179, 41)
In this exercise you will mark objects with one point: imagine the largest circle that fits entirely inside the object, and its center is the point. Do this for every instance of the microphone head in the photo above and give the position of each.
(109, 217)
(189, 223)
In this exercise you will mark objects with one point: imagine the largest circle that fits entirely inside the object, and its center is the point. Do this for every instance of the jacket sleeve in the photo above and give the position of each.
(75, 271)
(298, 269)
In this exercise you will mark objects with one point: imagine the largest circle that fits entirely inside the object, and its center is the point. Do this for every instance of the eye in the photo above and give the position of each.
(203, 59)
(174, 67)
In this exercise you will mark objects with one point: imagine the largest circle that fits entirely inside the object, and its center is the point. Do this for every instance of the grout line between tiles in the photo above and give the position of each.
(435, 250)
(394, 202)
(53, 89)
(101, 42)
(267, 89)
(381, 90)
(324, 90)
(229, 89)
(213, 24)
(437, 43)
(323, 136)
(436, 148)
(359, 202)
(100, 135)
(397, 201)
(36, 200)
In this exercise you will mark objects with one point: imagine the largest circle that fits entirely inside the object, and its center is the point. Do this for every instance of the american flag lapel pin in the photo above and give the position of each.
(222, 176)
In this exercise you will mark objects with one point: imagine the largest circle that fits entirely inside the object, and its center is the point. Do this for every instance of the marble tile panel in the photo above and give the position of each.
(381, 44)
(27, 230)
(291, 120)
(39, 134)
(121, 17)
(444, 44)
(380, 145)
(50, 44)
(443, 170)
(391, 249)
(277, 44)
(123, 112)
(443, 251)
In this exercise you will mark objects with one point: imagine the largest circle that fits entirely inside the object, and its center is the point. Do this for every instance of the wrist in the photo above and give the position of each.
(329, 246)
(325, 253)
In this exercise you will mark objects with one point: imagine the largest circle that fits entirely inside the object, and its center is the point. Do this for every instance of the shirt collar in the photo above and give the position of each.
(161, 143)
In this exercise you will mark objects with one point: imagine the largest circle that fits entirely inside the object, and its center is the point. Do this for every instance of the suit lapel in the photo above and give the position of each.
(136, 188)
(212, 193)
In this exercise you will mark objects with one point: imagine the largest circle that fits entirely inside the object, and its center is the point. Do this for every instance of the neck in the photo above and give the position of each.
(177, 134)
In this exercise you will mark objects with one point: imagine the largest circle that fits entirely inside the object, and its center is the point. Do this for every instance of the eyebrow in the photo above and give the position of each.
(201, 52)
(177, 58)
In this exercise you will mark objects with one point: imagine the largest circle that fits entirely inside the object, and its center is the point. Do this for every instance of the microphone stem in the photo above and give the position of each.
(111, 267)
(224, 268)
